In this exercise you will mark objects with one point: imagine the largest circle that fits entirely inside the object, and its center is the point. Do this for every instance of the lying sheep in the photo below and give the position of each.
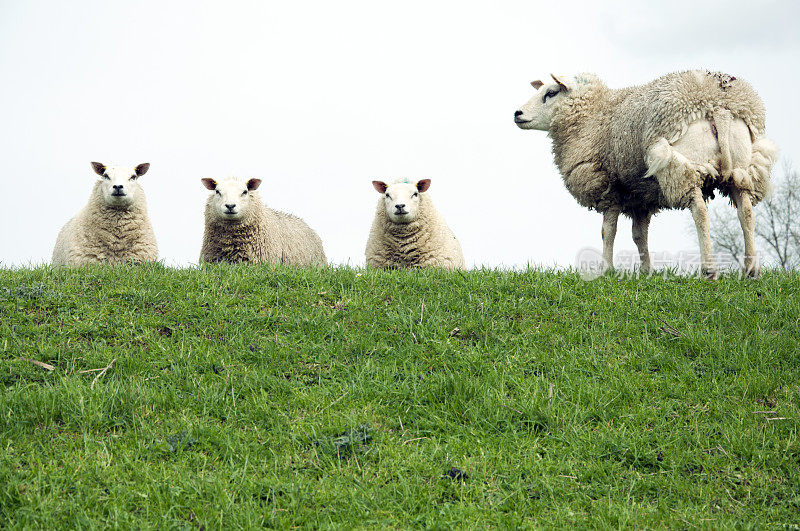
(667, 144)
(408, 231)
(240, 228)
(114, 226)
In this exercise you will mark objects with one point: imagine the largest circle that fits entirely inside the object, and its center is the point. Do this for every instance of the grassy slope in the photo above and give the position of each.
(235, 390)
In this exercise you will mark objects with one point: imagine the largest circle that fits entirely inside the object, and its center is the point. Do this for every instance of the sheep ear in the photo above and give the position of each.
(564, 82)
(211, 184)
(380, 186)
(537, 84)
(141, 169)
(252, 184)
(99, 169)
(423, 185)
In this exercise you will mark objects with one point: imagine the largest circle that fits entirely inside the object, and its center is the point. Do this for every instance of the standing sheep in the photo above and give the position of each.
(240, 228)
(408, 231)
(114, 226)
(667, 144)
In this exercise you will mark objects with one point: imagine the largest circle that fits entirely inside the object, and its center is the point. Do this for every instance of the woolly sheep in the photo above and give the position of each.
(240, 228)
(667, 144)
(114, 226)
(408, 231)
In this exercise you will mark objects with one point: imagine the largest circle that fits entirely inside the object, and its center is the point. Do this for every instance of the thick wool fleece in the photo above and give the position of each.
(601, 139)
(100, 233)
(261, 235)
(425, 242)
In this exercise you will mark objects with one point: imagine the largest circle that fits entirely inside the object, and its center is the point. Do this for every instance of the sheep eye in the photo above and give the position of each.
(244, 193)
(133, 178)
(388, 196)
(549, 94)
(106, 177)
(217, 191)
(415, 194)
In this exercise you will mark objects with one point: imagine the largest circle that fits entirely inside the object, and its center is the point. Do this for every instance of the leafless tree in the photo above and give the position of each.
(777, 224)
(726, 234)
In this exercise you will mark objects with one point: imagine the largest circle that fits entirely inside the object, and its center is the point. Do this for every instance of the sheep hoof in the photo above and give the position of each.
(711, 273)
(753, 272)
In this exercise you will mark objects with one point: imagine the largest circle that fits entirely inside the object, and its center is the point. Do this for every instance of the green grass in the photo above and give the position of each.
(245, 396)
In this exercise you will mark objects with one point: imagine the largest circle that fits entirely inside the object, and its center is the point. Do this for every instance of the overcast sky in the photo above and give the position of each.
(317, 99)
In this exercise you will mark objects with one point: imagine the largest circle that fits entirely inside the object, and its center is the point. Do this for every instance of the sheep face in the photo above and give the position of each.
(401, 199)
(231, 199)
(536, 114)
(119, 183)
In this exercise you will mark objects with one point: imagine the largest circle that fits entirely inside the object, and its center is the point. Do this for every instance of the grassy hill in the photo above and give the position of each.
(245, 396)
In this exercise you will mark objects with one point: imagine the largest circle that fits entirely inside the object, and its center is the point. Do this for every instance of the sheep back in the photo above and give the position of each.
(664, 108)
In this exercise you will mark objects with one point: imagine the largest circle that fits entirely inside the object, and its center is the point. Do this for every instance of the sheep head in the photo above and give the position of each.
(231, 200)
(119, 183)
(538, 111)
(401, 198)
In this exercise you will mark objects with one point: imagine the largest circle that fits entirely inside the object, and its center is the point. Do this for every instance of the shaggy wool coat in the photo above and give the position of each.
(601, 137)
(102, 233)
(262, 235)
(425, 242)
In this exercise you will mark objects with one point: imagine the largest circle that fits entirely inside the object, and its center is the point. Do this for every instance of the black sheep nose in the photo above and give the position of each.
(400, 207)
(230, 207)
(518, 113)
(117, 187)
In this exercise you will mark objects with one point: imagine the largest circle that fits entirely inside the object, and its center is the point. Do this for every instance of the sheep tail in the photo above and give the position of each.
(722, 120)
(722, 126)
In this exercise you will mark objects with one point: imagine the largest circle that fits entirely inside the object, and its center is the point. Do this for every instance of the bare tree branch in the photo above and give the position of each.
(726, 235)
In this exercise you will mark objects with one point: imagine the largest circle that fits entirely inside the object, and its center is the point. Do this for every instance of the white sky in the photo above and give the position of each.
(319, 98)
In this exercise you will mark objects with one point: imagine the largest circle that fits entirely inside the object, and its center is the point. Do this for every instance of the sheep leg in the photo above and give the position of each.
(744, 208)
(700, 215)
(641, 225)
(609, 232)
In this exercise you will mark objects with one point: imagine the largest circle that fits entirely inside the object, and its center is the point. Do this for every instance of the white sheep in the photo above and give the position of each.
(240, 228)
(408, 231)
(114, 227)
(667, 144)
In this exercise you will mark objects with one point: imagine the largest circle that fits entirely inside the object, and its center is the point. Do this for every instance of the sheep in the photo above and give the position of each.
(667, 144)
(114, 226)
(408, 231)
(240, 228)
